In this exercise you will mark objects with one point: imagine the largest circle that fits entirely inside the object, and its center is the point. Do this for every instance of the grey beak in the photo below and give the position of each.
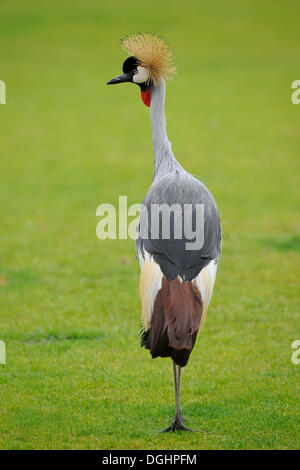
(125, 77)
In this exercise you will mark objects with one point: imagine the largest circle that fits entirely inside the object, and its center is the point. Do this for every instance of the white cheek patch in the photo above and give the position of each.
(141, 76)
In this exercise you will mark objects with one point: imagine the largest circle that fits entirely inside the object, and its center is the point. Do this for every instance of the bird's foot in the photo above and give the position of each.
(177, 424)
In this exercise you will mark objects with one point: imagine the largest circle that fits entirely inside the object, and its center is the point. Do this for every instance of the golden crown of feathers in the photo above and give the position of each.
(153, 52)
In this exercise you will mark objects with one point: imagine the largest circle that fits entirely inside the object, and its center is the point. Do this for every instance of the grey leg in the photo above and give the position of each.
(178, 410)
(177, 423)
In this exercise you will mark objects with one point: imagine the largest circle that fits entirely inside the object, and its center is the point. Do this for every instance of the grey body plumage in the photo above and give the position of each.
(174, 185)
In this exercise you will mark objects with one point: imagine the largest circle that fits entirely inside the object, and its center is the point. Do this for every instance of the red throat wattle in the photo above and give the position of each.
(146, 96)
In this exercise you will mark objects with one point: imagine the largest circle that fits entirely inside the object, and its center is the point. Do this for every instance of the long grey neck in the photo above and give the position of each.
(164, 160)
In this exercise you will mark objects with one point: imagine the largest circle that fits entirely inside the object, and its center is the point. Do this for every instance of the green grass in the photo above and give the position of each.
(69, 308)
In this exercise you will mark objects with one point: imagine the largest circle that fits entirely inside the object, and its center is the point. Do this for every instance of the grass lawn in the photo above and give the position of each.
(69, 306)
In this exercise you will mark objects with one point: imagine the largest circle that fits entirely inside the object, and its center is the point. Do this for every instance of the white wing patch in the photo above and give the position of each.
(205, 283)
(150, 283)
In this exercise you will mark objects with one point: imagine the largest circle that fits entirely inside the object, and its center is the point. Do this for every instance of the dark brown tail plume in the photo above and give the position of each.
(175, 320)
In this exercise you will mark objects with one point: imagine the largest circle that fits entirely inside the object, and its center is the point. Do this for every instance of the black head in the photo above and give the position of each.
(129, 69)
(130, 65)
(135, 72)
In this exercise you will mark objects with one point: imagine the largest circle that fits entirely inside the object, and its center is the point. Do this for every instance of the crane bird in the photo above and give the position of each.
(177, 276)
